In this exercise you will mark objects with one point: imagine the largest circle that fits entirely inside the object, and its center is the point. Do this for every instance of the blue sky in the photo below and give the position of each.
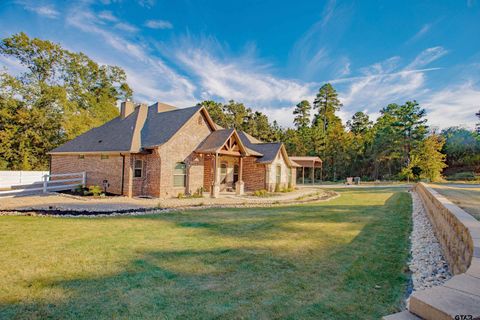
(272, 54)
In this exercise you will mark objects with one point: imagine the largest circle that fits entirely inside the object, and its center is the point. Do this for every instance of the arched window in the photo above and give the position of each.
(180, 175)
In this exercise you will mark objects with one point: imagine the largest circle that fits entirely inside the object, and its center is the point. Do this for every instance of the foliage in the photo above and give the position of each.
(261, 193)
(96, 191)
(180, 195)
(236, 115)
(462, 147)
(60, 95)
(302, 114)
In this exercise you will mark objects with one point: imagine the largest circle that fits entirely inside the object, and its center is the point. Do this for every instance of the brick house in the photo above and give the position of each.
(161, 151)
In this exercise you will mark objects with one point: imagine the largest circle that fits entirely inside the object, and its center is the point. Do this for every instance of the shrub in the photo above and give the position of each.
(180, 195)
(198, 193)
(463, 176)
(260, 193)
(96, 191)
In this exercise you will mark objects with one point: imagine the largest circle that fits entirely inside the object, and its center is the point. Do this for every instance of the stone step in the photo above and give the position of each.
(465, 283)
(444, 303)
(404, 315)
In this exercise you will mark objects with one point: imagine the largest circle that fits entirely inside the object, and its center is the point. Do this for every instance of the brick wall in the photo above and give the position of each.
(208, 172)
(253, 174)
(180, 149)
(97, 169)
(149, 183)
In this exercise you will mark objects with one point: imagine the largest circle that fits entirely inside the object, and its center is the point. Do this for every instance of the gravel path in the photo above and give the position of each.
(429, 267)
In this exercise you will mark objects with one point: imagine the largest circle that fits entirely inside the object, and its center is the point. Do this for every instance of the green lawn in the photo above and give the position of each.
(466, 196)
(343, 259)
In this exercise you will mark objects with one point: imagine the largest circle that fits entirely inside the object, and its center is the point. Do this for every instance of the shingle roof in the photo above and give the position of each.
(115, 135)
(215, 141)
(268, 150)
(160, 127)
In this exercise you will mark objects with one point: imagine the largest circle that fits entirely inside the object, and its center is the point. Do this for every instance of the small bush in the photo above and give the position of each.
(198, 193)
(180, 195)
(469, 176)
(96, 191)
(260, 193)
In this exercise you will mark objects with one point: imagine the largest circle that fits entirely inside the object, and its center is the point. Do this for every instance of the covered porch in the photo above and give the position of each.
(309, 170)
(224, 162)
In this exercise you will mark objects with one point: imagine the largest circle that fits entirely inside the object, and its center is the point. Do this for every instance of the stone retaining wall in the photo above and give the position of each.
(452, 228)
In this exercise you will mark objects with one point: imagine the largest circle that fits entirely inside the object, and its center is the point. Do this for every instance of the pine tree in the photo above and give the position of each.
(302, 114)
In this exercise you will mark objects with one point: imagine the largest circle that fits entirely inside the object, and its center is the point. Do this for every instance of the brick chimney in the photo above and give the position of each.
(126, 108)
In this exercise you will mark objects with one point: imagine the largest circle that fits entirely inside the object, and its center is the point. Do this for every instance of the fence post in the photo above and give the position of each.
(45, 177)
(84, 179)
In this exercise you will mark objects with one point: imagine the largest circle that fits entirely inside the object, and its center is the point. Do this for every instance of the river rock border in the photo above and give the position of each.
(328, 195)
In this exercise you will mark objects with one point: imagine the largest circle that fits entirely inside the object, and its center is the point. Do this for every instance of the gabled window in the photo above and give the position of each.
(138, 169)
(180, 175)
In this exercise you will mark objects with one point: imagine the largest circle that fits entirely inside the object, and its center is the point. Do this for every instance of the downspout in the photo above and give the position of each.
(123, 171)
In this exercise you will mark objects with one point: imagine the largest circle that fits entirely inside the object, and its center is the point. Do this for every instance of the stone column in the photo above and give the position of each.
(216, 178)
(240, 185)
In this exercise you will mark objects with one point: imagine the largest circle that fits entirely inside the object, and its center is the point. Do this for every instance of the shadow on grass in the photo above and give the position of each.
(359, 279)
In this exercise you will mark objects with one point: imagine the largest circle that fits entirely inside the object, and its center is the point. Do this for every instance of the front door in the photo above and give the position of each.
(235, 174)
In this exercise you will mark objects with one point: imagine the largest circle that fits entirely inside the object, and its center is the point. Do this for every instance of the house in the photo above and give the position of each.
(162, 151)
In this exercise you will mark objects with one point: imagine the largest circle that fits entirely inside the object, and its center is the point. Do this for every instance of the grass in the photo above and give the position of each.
(342, 259)
(465, 196)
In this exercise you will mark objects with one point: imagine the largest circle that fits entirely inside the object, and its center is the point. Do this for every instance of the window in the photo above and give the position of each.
(81, 156)
(104, 156)
(278, 174)
(180, 175)
(138, 169)
(290, 176)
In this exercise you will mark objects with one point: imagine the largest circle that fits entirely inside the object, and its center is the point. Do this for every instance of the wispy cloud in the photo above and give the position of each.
(108, 16)
(422, 32)
(149, 76)
(158, 24)
(311, 53)
(48, 11)
(126, 27)
(387, 81)
(427, 56)
(455, 105)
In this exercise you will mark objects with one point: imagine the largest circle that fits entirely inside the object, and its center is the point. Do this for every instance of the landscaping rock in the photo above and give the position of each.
(428, 265)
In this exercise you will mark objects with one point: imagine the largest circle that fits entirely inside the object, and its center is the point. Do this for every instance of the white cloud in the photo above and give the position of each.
(108, 16)
(13, 66)
(422, 32)
(452, 106)
(48, 11)
(427, 56)
(239, 80)
(159, 24)
(126, 27)
(149, 76)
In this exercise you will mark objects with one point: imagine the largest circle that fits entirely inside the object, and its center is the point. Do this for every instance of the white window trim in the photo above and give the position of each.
(136, 168)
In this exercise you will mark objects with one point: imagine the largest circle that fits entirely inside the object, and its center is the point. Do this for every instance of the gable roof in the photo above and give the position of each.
(161, 126)
(215, 141)
(115, 135)
(145, 127)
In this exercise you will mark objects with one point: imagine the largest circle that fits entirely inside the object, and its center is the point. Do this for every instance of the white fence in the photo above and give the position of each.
(15, 178)
(64, 181)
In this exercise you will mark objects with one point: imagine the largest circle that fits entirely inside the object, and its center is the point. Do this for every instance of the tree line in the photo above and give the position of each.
(60, 94)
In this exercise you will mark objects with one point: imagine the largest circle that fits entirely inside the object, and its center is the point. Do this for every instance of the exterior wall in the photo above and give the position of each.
(253, 174)
(149, 183)
(453, 228)
(271, 173)
(97, 169)
(180, 149)
(209, 164)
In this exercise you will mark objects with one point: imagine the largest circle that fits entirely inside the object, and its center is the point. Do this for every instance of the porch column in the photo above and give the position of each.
(216, 178)
(240, 185)
(313, 173)
(303, 175)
